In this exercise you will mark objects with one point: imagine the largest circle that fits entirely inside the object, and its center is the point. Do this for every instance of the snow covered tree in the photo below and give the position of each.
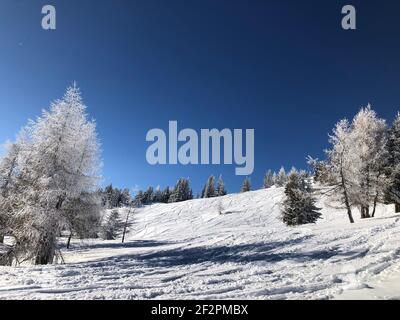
(58, 163)
(368, 140)
(112, 226)
(320, 171)
(181, 192)
(221, 190)
(356, 161)
(392, 164)
(268, 180)
(165, 195)
(148, 196)
(281, 178)
(299, 205)
(125, 199)
(139, 198)
(209, 188)
(158, 195)
(340, 164)
(246, 186)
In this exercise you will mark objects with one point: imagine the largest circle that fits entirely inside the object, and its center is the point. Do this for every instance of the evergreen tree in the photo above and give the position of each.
(268, 180)
(209, 188)
(281, 178)
(299, 205)
(181, 192)
(392, 164)
(221, 190)
(158, 195)
(125, 198)
(246, 186)
(139, 198)
(165, 195)
(112, 226)
(148, 196)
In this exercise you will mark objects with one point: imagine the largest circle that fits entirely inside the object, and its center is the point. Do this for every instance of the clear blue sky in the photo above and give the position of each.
(284, 68)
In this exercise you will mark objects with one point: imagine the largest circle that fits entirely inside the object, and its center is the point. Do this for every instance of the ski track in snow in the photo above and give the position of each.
(188, 251)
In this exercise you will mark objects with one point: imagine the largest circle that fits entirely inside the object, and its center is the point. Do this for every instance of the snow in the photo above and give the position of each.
(189, 251)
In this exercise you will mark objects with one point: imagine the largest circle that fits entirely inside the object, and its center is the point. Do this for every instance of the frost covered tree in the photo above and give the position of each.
(246, 186)
(299, 204)
(112, 226)
(340, 164)
(392, 164)
(148, 196)
(368, 147)
(320, 169)
(281, 178)
(165, 195)
(8, 167)
(268, 180)
(209, 188)
(158, 195)
(181, 192)
(221, 189)
(356, 161)
(57, 164)
(139, 198)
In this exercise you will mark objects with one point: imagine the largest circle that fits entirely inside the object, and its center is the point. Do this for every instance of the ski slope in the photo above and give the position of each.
(190, 251)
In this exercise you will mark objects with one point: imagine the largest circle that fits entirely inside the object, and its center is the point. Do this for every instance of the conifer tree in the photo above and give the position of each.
(246, 186)
(268, 180)
(209, 188)
(299, 205)
(221, 190)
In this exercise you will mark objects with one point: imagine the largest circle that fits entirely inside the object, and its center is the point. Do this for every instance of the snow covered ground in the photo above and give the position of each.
(189, 251)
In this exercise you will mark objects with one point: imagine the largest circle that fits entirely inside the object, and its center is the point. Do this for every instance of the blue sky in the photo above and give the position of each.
(284, 68)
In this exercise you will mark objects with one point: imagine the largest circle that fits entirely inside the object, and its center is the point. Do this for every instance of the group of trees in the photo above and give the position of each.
(363, 163)
(115, 198)
(48, 179)
(181, 192)
(211, 191)
(275, 179)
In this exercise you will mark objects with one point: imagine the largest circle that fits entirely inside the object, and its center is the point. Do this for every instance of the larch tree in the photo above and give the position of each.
(340, 164)
(58, 167)
(368, 151)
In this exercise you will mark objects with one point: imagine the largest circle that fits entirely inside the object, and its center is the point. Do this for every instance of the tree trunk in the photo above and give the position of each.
(69, 240)
(346, 197)
(126, 225)
(397, 207)
(375, 203)
(1, 238)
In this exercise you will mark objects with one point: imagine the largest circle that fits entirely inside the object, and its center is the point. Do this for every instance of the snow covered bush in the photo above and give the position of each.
(299, 204)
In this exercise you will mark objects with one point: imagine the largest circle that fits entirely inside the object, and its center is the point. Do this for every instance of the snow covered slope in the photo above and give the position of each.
(190, 251)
